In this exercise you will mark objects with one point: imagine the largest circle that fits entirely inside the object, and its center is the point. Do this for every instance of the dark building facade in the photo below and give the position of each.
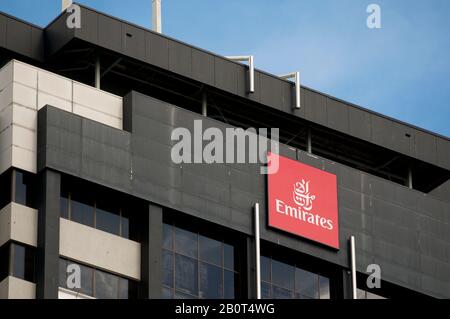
(87, 176)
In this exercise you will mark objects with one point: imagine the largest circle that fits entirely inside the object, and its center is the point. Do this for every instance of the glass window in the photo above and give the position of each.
(229, 282)
(63, 273)
(228, 256)
(167, 293)
(107, 221)
(283, 275)
(210, 281)
(281, 293)
(324, 287)
(125, 224)
(180, 295)
(4, 261)
(265, 269)
(210, 250)
(124, 288)
(87, 279)
(21, 189)
(285, 281)
(186, 275)
(167, 261)
(82, 213)
(167, 237)
(99, 284)
(106, 285)
(186, 242)
(196, 266)
(266, 290)
(64, 203)
(306, 283)
(23, 262)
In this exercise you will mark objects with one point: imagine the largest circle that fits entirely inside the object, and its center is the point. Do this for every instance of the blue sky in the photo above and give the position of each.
(401, 70)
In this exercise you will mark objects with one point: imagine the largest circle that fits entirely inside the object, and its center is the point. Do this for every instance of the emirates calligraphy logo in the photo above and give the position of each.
(302, 196)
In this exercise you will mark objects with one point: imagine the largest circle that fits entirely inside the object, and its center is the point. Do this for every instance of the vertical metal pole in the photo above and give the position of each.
(309, 142)
(297, 90)
(353, 265)
(251, 65)
(258, 253)
(410, 177)
(97, 73)
(204, 104)
(156, 16)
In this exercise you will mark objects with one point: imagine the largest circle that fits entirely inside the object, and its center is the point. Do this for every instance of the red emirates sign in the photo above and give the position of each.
(303, 201)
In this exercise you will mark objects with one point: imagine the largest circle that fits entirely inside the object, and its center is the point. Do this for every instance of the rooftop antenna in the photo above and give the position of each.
(156, 16)
(65, 4)
(296, 77)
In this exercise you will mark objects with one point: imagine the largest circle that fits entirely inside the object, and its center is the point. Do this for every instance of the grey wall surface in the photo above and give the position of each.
(404, 231)
(442, 192)
(218, 72)
(21, 37)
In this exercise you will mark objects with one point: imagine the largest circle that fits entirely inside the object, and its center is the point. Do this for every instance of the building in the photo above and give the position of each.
(86, 116)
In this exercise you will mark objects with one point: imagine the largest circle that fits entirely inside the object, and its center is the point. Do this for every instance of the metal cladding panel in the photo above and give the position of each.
(392, 135)
(425, 147)
(337, 116)
(243, 81)
(315, 107)
(37, 44)
(288, 99)
(180, 58)
(270, 90)
(442, 192)
(157, 50)
(19, 37)
(89, 26)
(225, 77)
(255, 96)
(394, 226)
(110, 33)
(359, 123)
(443, 153)
(202, 67)
(133, 41)
(58, 35)
(3, 25)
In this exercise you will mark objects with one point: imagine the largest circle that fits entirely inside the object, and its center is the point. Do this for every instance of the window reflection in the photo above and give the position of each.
(229, 282)
(167, 261)
(97, 283)
(82, 213)
(282, 275)
(106, 285)
(17, 260)
(210, 281)
(210, 250)
(186, 275)
(307, 283)
(104, 215)
(285, 281)
(107, 221)
(196, 266)
(167, 237)
(186, 242)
